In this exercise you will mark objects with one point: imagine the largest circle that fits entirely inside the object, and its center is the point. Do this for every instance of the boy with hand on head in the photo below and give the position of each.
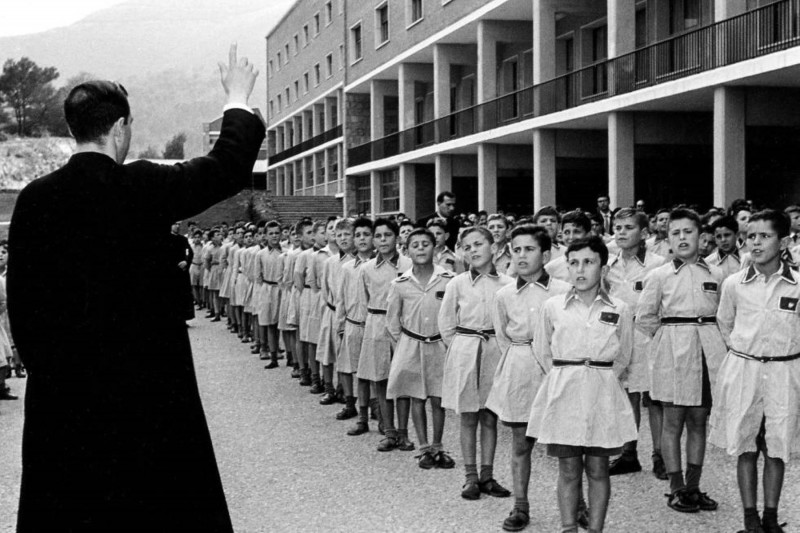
(518, 375)
(442, 255)
(678, 308)
(270, 272)
(627, 270)
(374, 278)
(758, 386)
(583, 339)
(465, 322)
(329, 339)
(726, 257)
(350, 320)
(498, 227)
(417, 365)
(549, 219)
(575, 225)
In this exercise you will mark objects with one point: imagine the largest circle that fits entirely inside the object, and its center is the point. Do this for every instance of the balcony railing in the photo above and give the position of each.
(758, 32)
(313, 142)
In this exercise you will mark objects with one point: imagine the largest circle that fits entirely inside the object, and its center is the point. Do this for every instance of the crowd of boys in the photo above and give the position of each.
(562, 325)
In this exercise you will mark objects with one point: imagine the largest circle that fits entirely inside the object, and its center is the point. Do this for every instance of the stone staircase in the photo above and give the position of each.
(290, 209)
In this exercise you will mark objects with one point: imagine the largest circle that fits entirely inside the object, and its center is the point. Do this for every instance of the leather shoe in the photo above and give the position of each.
(516, 521)
(347, 413)
(493, 488)
(443, 460)
(387, 444)
(624, 464)
(271, 365)
(360, 428)
(327, 399)
(471, 491)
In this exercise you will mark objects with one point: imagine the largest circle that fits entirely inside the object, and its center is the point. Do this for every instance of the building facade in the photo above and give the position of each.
(516, 104)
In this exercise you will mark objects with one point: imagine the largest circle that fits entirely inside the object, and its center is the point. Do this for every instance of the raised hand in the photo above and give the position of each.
(238, 77)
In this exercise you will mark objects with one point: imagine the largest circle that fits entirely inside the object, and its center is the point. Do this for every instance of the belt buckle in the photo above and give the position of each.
(427, 340)
(699, 320)
(587, 362)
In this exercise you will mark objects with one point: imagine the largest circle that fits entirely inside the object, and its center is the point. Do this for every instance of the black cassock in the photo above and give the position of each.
(182, 252)
(115, 436)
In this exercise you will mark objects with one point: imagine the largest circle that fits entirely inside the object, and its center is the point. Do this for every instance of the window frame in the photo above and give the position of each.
(379, 38)
(359, 56)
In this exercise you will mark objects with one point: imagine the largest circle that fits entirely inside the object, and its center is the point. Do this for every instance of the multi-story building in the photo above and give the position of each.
(515, 104)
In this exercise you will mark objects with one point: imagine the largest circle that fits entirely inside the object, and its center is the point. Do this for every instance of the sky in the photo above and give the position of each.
(20, 17)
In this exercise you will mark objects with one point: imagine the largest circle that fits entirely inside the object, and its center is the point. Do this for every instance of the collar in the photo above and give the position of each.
(474, 274)
(677, 264)
(359, 260)
(506, 249)
(602, 295)
(543, 281)
(640, 256)
(392, 260)
(785, 273)
(343, 255)
(278, 249)
(722, 255)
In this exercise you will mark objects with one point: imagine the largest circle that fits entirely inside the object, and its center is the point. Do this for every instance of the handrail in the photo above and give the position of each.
(308, 144)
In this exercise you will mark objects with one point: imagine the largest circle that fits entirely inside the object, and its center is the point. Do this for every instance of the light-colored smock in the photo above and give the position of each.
(351, 316)
(287, 318)
(269, 272)
(328, 340)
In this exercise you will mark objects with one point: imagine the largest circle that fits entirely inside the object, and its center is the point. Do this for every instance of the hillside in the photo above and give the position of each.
(23, 160)
(165, 53)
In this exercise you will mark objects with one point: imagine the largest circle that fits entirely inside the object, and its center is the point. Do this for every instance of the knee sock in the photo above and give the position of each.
(770, 516)
(487, 472)
(402, 434)
(363, 414)
(751, 520)
(472, 473)
(350, 402)
(329, 388)
(693, 473)
(676, 480)
(522, 504)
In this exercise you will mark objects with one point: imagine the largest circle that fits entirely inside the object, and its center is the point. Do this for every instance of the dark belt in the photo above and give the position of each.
(583, 362)
(679, 320)
(372, 311)
(268, 282)
(484, 333)
(354, 322)
(774, 359)
(421, 338)
(331, 306)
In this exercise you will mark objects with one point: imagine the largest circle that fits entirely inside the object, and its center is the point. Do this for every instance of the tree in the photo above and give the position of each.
(174, 147)
(149, 153)
(26, 87)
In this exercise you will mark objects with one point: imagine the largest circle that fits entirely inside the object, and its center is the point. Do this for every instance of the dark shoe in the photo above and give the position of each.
(583, 514)
(316, 388)
(387, 444)
(295, 373)
(262, 355)
(624, 464)
(327, 399)
(360, 428)
(347, 413)
(704, 503)
(209, 315)
(443, 460)
(426, 460)
(493, 488)
(766, 527)
(405, 445)
(516, 521)
(681, 501)
(216, 319)
(659, 468)
(471, 491)
(271, 365)
(305, 379)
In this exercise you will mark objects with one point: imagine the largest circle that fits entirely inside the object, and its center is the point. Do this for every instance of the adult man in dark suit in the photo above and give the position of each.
(108, 444)
(182, 255)
(445, 207)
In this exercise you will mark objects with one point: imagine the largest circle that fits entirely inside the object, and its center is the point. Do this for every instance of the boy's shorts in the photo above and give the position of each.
(563, 451)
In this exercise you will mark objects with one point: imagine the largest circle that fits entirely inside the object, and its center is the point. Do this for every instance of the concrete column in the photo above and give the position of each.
(342, 175)
(405, 96)
(408, 197)
(724, 9)
(487, 177)
(544, 168)
(621, 159)
(729, 144)
(375, 193)
(324, 155)
(621, 40)
(444, 175)
(487, 61)
(378, 90)
(319, 119)
(441, 80)
(299, 174)
(308, 117)
(544, 38)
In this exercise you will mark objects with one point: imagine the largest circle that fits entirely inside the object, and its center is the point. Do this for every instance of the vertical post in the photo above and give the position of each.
(375, 192)
(729, 144)
(544, 168)
(487, 177)
(621, 159)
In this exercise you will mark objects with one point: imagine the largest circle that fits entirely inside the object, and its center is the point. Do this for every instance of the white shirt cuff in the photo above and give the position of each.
(236, 105)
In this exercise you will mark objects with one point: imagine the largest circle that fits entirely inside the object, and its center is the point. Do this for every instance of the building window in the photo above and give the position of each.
(316, 24)
(390, 190)
(279, 60)
(286, 51)
(355, 39)
(328, 12)
(415, 11)
(316, 74)
(305, 82)
(271, 108)
(288, 98)
(341, 56)
(296, 44)
(363, 194)
(296, 90)
(280, 103)
(329, 65)
(381, 24)
(271, 67)
(305, 35)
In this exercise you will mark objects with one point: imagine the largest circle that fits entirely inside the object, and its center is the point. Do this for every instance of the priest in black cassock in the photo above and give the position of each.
(115, 436)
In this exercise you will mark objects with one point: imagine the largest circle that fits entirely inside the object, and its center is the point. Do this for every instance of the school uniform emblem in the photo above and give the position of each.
(439, 295)
(449, 261)
(612, 319)
(638, 286)
(709, 286)
(788, 304)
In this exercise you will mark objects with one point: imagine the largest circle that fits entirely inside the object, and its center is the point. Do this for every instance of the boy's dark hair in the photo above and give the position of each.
(213, 233)
(363, 222)
(546, 211)
(594, 243)
(332, 218)
(663, 210)
(438, 222)
(442, 195)
(406, 222)
(794, 208)
(303, 224)
(273, 224)
(780, 221)
(477, 229)
(391, 224)
(91, 108)
(683, 213)
(726, 222)
(705, 228)
(424, 232)
(483, 213)
(197, 232)
(538, 233)
(577, 218)
(638, 216)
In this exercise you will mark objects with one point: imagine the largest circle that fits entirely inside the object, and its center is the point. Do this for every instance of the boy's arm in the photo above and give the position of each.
(542, 337)
(726, 312)
(625, 332)
(311, 271)
(394, 309)
(500, 319)
(448, 314)
(647, 311)
(338, 320)
(299, 275)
